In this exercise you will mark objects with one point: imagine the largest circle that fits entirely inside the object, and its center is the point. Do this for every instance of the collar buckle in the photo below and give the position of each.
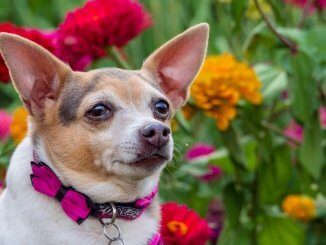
(111, 230)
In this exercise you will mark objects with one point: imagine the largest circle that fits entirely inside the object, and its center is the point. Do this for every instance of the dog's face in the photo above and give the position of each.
(105, 122)
(116, 120)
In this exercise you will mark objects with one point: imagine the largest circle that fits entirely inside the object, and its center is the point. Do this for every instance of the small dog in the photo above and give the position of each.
(87, 172)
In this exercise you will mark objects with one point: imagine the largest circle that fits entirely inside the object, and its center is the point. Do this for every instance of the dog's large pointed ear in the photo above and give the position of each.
(37, 74)
(175, 65)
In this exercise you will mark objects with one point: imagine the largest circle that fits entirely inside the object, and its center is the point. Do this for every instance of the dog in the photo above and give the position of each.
(88, 169)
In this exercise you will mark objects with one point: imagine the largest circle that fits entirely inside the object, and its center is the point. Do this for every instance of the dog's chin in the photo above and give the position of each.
(150, 163)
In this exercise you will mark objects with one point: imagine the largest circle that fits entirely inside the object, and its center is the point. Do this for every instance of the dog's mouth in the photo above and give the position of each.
(150, 161)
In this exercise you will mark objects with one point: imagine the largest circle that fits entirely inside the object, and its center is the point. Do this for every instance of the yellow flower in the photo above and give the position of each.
(18, 127)
(299, 207)
(222, 82)
(252, 11)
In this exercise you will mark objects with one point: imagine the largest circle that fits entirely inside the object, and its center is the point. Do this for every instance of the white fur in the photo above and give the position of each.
(28, 217)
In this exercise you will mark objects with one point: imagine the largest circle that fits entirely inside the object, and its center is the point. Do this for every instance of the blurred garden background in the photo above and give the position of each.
(249, 162)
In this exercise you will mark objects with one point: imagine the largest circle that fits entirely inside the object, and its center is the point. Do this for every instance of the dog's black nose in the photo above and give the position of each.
(156, 134)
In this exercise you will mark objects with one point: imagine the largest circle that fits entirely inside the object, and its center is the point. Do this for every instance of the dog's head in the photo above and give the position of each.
(105, 122)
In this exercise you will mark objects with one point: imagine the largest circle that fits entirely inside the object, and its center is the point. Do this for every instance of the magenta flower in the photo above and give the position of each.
(199, 150)
(5, 120)
(294, 131)
(214, 173)
(322, 116)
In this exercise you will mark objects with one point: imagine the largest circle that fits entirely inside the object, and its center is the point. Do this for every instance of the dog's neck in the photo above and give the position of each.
(115, 188)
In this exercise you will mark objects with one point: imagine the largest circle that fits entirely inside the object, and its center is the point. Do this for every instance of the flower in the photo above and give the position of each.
(222, 82)
(294, 131)
(320, 4)
(214, 173)
(199, 150)
(41, 38)
(188, 111)
(252, 11)
(18, 127)
(322, 116)
(5, 120)
(87, 31)
(183, 226)
(215, 218)
(299, 207)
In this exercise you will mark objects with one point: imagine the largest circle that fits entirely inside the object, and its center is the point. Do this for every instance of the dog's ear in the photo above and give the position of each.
(37, 75)
(175, 65)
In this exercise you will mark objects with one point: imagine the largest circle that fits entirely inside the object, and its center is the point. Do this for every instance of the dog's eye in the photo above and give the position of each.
(162, 107)
(99, 111)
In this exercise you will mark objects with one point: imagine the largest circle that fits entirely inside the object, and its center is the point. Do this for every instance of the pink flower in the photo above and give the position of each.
(214, 173)
(321, 4)
(294, 131)
(5, 120)
(199, 150)
(89, 30)
(322, 116)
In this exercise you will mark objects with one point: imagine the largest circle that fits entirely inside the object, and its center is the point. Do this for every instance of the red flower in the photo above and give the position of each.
(37, 36)
(87, 31)
(182, 226)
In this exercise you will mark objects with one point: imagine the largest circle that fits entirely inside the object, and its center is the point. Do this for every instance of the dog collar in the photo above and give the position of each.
(78, 206)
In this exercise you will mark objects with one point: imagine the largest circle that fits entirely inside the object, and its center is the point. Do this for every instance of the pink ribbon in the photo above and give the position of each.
(74, 204)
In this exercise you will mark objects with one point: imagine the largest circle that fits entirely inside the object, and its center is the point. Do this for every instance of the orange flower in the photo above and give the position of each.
(222, 82)
(188, 111)
(299, 207)
(18, 127)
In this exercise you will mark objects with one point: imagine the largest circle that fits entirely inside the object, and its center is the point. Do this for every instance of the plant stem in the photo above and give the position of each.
(255, 208)
(278, 131)
(283, 39)
(117, 58)
(305, 12)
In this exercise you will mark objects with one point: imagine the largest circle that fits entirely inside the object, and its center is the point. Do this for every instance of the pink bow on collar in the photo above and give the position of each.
(75, 204)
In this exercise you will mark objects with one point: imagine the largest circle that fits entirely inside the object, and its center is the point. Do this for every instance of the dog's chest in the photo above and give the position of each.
(45, 223)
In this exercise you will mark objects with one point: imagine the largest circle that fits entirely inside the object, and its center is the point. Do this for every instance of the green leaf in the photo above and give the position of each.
(303, 87)
(250, 150)
(232, 142)
(237, 9)
(274, 80)
(235, 236)
(280, 230)
(274, 176)
(233, 199)
(311, 154)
